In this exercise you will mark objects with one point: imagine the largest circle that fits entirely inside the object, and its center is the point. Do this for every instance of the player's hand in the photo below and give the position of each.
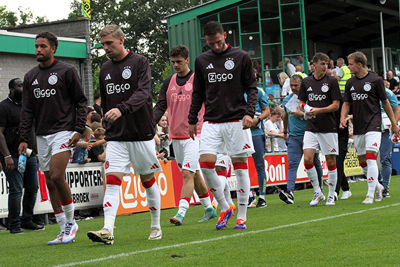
(343, 122)
(314, 112)
(9, 164)
(112, 115)
(74, 139)
(22, 147)
(247, 122)
(192, 130)
(395, 129)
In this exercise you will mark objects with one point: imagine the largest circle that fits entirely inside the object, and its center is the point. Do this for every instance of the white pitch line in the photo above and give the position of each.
(223, 237)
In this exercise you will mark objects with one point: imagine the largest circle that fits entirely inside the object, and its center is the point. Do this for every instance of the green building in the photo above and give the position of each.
(272, 30)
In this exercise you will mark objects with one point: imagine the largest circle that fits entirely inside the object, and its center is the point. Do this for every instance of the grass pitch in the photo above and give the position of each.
(348, 234)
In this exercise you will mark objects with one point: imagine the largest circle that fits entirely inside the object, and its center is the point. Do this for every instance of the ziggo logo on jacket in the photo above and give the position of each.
(42, 93)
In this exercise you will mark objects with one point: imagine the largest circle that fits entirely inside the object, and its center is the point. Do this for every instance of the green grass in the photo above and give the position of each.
(360, 239)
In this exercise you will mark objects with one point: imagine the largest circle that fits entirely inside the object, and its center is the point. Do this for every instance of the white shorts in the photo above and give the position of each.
(187, 154)
(327, 142)
(223, 160)
(215, 137)
(51, 144)
(370, 141)
(142, 155)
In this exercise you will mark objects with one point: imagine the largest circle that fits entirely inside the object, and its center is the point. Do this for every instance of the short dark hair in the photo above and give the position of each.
(179, 51)
(96, 95)
(320, 56)
(212, 28)
(95, 117)
(49, 36)
(11, 83)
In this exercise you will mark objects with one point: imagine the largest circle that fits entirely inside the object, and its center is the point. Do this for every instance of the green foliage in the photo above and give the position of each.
(7, 18)
(144, 24)
(24, 16)
(157, 86)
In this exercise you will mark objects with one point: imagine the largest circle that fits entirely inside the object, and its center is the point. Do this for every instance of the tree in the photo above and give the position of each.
(25, 16)
(144, 24)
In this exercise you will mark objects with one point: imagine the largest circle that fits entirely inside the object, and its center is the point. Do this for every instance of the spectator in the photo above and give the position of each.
(96, 125)
(284, 81)
(272, 130)
(97, 104)
(342, 74)
(97, 153)
(81, 151)
(95, 118)
(163, 142)
(289, 67)
(10, 110)
(394, 84)
(268, 80)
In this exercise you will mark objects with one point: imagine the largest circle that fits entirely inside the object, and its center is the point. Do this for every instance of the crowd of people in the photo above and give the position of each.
(208, 120)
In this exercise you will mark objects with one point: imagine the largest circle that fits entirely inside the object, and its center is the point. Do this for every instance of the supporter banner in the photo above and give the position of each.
(351, 164)
(276, 168)
(84, 180)
(133, 194)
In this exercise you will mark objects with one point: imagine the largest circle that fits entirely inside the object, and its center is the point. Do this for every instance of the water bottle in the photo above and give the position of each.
(395, 139)
(22, 160)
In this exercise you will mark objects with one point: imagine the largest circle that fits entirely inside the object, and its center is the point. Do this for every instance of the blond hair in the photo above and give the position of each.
(358, 57)
(112, 29)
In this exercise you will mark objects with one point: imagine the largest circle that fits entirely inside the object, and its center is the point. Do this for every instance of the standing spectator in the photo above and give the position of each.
(258, 136)
(385, 151)
(271, 129)
(228, 116)
(394, 84)
(268, 80)
(10, 110)
(128, 116)
(97, 104)
(294, 128)
(289, 67)
(342, 74)
(363, 93)
(322, 96)
(57, 129)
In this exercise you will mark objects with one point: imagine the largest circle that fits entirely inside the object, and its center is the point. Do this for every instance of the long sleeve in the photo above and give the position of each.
(140, 97)
(199, 94)
(79, 100)
(161, 105)
(26, 113)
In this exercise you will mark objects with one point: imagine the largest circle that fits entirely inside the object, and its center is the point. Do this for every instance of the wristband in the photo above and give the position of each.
(6, 157)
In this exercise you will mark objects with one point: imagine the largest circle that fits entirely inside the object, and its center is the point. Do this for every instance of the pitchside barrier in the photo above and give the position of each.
(86, 183)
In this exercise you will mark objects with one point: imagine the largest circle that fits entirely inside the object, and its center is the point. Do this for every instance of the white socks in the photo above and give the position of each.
(227, 193)
(110, 206)
(154, 201)
(372, 174)
(243, 188)
(205, 200)
(61, 220)
(214, 183)
(183, 206)
(313, 176)
(69, 209)
(332, 179)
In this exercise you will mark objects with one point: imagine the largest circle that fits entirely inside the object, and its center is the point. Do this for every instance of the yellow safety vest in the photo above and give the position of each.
(346, 76)
(301, 74)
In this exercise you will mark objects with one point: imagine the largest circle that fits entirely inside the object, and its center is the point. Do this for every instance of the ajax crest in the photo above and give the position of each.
(367, 87)
(325, 88)
(126, 74)
(53, 79)
(229, 64)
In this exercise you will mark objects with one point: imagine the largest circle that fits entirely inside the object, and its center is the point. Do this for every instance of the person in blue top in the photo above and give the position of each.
(293, 120)
(258, 136)
(386, 147)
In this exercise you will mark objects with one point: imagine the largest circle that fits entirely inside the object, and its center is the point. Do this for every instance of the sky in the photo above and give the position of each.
(52, 9)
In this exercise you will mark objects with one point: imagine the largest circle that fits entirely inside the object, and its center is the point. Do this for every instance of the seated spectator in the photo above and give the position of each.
(97, 153)
(81, 151)
(96, 125)
(271, 129)
(95, 118)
